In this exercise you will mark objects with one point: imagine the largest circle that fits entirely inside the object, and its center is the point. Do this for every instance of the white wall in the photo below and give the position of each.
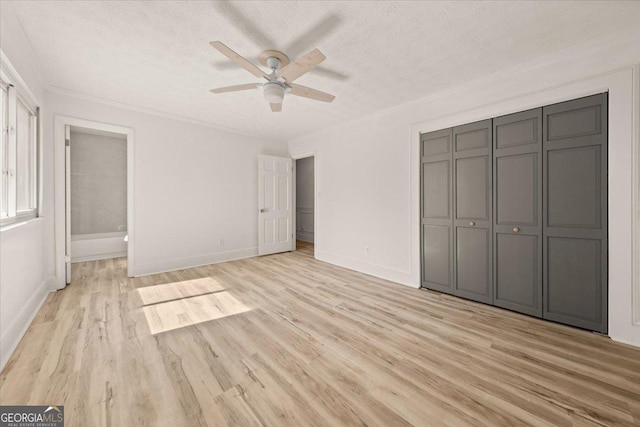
(26, 250)
(305, 199)
(194, 186)
(367, 170)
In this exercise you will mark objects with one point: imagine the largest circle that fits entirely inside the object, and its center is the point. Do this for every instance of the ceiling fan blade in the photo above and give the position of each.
(227, 65)
(241, 61)
(242, 23)
(276, 108)
(301, 65)
(307, 92)
(329, 73)
(235, 88)
(322, 29)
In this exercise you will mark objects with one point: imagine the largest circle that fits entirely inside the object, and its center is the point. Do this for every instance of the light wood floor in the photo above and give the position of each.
(287, 340)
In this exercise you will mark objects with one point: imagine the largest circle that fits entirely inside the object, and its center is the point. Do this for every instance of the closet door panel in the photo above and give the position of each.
(517, 189)
(438, 144)
(472, 211)
(436, 255)
(436, 183)
(575, 223)
(574, 291)
(437, 210)
(574, 187)
(468, 137)
(517, 129)
(582, 119)
(472, 195)
(473, 247)
(517, 272)
(518, 212)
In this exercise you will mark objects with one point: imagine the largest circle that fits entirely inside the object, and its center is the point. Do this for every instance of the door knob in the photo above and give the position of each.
(516, 229)
(471, 223)
(263, 210)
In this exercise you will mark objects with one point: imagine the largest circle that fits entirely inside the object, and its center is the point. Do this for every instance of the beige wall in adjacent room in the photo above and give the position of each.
(98, 183)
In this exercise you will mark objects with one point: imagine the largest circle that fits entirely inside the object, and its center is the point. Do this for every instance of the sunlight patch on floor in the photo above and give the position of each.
(178, 290)
(176, 305)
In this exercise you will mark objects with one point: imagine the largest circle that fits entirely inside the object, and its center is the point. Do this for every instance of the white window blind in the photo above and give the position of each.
(19, 153)
(3, 152)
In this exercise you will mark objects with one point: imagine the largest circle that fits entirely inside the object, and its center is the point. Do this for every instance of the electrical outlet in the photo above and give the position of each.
(367, 250)
(221, 242)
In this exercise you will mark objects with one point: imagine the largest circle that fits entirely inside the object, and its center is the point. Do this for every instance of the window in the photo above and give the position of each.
(3, 154)
(18, 155)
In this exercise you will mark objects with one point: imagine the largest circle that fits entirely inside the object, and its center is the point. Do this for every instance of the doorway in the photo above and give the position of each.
(96, 194)
(305, 203)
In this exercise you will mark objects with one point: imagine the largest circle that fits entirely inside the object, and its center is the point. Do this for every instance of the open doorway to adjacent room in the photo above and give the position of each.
(97, 177)
(97, 194)
(305, 203)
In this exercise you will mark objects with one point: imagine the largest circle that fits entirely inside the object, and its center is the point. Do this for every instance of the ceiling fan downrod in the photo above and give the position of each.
(273, 63)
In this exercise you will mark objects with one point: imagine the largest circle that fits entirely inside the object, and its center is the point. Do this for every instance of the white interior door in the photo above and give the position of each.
(275, 216)
(67, 201)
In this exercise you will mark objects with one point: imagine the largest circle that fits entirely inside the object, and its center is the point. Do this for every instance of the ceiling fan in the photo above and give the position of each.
(280, 80)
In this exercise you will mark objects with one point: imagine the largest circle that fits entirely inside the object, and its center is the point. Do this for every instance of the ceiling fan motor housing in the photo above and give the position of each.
(273, 92)
(273, 63)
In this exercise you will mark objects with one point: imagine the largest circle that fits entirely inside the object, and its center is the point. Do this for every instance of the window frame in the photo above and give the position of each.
(32, 159)
(15, 94)
(4, 185)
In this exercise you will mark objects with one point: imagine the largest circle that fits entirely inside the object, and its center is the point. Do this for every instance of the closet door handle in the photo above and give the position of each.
(516, 229)
(471, 223)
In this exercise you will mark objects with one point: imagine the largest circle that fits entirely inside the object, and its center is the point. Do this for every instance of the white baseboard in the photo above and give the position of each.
(19, 325)
(196, 261)
(305, 236)
(98, 257)
(629, 338)
(397, 276)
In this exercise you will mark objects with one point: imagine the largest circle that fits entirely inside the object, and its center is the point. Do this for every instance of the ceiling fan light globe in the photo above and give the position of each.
(273, 93)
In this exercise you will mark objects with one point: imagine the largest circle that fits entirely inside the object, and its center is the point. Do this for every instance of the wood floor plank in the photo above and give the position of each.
(289, 341)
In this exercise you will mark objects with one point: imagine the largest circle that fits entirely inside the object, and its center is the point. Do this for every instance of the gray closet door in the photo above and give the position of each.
(472, 211)
(436, 210)
(575, 221)
(517, 189)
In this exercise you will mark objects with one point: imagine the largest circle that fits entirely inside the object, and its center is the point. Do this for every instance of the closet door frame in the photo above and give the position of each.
(573, 240)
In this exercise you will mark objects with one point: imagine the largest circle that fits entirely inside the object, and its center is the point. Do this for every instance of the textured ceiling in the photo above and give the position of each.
(156, 55)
